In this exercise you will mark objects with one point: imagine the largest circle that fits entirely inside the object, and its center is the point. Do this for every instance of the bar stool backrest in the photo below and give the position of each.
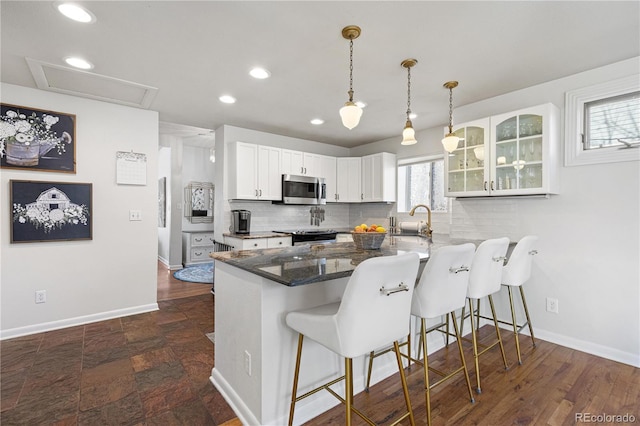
(443, 284)
(371, 314)
(485, 276)
(518, 268)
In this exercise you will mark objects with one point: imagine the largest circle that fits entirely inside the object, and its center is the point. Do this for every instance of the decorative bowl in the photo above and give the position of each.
(368, 240)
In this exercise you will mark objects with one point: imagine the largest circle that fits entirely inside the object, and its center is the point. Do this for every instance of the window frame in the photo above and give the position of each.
(575, 100)
(417, 160)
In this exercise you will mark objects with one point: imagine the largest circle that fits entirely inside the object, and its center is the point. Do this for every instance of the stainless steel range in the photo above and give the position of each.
(315, 236)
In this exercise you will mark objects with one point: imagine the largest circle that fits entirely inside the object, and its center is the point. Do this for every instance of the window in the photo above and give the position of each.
(612, 122)
(421, 181)
(597, 116)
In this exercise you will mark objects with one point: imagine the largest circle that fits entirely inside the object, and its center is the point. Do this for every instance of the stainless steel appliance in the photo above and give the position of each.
(240, 221)
(303, 190)
(314, 236)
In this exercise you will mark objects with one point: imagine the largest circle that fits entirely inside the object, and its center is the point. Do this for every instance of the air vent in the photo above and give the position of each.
(70, 81)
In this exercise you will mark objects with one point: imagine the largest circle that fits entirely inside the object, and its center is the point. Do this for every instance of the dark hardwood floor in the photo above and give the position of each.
(154, 368)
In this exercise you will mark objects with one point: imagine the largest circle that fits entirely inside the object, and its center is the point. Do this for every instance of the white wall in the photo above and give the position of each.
(112, 275)
(164, 234)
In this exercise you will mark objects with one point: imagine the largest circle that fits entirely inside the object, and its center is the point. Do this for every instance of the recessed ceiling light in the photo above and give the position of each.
(76, 12)
(317, 121)
(259, 73)
(227, 99)
(360, 104)
(76, 62)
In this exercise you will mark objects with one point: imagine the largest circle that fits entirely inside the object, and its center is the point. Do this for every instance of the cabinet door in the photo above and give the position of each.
(348, 176)
(311, 164)
(328, 172)
(292, 162)
(278, 242)
(269, 177)
(524, 146)
(467, 167)
(379, 174)
(245, 171)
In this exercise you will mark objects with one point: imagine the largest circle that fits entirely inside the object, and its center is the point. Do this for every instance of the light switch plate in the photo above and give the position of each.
(135, 215)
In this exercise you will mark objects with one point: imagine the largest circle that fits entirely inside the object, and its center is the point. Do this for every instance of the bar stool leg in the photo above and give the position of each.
(403, 379)
(427, 387)
(515, 324)
(526, 312)
(294, 392)
(464, 363)
(475, 347)
(371, 356)
(348, 397)
(495, 322)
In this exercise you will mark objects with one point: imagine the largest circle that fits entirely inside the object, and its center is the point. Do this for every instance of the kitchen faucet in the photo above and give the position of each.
(427, 231)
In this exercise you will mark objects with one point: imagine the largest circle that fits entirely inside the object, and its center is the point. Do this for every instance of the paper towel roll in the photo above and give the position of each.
(410, 227)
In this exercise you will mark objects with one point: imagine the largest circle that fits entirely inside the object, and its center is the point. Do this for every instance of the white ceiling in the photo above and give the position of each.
(193, 52)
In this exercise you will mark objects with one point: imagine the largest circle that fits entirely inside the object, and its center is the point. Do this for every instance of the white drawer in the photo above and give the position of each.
(278, 242)
(201, 239)
(254, 243)
(201, 253)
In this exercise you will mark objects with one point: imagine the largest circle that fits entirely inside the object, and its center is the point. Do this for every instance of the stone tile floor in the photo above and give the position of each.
(148, 369)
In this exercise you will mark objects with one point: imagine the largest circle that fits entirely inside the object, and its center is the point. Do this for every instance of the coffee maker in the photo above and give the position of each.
(240, 221)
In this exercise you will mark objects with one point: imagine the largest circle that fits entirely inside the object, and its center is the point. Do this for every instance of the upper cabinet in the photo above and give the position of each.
(508, 154)
(301, 163)
(328, 171)
(254, 172)
(379, 178)
(348, 177)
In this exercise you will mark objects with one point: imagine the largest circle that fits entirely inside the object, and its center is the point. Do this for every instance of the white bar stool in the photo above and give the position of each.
(516, 272)
(373, 312)
(485, 278)
(442, 290)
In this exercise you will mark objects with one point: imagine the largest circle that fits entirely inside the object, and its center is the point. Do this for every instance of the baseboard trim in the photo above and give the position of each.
(237, 405)
(71, 322)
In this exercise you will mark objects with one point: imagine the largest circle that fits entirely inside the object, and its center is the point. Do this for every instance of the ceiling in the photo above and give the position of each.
(193, 52)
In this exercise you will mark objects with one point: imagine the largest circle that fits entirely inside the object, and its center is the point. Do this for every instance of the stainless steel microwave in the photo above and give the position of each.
(303, 190)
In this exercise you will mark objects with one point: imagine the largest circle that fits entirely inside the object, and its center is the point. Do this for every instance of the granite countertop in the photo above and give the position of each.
(256, 235)
(306, 264)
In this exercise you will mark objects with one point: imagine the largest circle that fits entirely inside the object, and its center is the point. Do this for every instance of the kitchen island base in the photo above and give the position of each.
(255, 349)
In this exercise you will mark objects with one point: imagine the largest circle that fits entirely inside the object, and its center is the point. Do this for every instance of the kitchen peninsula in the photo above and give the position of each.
(255, 350)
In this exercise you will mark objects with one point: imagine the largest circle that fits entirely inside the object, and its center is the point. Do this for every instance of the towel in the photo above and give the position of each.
(411, 227)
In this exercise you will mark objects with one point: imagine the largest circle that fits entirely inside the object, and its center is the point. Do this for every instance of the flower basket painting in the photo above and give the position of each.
(50, 211)
(37, 140)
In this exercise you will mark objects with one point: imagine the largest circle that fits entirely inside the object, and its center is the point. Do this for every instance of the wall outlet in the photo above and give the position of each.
(135, 215)
(552, 305)
(41, 296)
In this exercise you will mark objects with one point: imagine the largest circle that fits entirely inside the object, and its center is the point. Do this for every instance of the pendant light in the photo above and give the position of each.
(408, 134)
(450, 141)
(350, 112)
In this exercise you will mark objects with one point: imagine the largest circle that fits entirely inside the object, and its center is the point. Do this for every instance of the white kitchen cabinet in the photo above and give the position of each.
(328, 172)
(521, 155)
(379, 177)
(196, 247)
(300, 163)
(348, 176)
(256, 243)
(254, 172)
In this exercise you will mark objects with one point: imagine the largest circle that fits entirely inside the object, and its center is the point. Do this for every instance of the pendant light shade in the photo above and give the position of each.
(408, 134)
(450, 141)
(350, 112)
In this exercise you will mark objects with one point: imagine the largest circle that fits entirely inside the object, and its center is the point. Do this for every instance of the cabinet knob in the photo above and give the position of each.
(255, 245)
(280, 243)
(485, 185)
(492, 188)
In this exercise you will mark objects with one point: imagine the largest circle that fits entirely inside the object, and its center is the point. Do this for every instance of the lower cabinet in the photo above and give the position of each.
(257, 243)
(196, 246)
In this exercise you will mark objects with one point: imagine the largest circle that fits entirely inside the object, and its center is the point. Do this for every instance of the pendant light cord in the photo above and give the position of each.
(408, 92)
(451, 110)
(351, 70)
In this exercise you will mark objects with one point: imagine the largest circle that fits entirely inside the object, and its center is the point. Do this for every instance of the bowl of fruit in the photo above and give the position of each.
(368, 237)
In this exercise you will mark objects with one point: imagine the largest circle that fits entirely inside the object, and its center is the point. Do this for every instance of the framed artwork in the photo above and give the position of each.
(50, 211)
(37, 140)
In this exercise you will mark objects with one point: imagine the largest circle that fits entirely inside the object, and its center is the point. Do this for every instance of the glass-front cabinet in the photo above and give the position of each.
(465, 169)
(519, 155)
